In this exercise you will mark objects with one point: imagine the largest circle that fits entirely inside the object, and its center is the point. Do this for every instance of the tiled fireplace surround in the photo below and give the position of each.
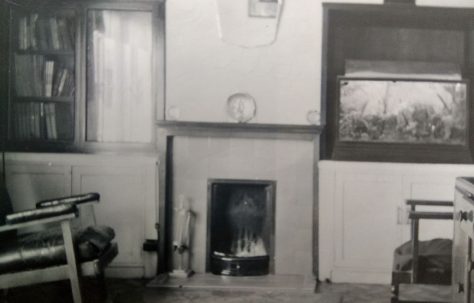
(197, 152)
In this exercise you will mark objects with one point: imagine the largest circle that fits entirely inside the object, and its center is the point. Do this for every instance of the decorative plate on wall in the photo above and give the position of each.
(241, 107)
(313, 117)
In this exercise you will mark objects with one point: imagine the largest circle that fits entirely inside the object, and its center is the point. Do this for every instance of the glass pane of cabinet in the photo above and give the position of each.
(119, 71)
(42, 86)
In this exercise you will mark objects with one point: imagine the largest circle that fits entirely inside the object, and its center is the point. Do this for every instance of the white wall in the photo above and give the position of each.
(202, 70)
(284, 77)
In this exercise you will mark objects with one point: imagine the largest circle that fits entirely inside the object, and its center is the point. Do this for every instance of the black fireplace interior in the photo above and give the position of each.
(240, 227)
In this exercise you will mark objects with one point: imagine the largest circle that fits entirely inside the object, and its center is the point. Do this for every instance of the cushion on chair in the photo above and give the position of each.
(433, 254)
(93, 241)
(43, 249)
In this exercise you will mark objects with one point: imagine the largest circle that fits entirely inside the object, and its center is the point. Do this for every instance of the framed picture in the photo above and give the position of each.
(264, 8)
(399, 119)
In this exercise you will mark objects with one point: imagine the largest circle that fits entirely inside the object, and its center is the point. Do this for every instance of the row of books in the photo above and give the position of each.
(36, 120)
(36, 32)
(37, 76)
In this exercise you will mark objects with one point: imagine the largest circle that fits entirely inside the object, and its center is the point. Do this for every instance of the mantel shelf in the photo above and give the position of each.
(239, 129)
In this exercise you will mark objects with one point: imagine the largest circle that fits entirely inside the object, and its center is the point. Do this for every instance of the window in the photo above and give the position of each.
(119, 76)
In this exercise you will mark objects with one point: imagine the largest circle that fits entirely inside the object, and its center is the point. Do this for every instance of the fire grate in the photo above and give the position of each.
(240, 227)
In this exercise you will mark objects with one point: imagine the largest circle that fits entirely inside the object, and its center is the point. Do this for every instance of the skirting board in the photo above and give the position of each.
(210, 281)
(125, 272)
(364, 277)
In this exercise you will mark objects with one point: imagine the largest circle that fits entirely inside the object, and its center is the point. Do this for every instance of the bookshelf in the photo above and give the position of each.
(80, 76)
(42, 82)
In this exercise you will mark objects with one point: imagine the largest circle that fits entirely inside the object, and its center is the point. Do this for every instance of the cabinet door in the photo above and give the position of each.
(463, 276)
(29, 183)
(435, 187)
(462, 250)
(366, 230)
(124, 193)
(42, 83)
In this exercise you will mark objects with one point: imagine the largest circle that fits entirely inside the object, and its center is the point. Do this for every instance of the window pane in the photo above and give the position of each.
(119, 69)
(42, 98)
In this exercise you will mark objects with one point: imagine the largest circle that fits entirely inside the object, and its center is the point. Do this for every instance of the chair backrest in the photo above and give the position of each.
(5, 209)
(5, 203)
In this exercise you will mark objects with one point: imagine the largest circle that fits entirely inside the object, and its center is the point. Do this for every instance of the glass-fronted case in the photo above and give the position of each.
(42, 85)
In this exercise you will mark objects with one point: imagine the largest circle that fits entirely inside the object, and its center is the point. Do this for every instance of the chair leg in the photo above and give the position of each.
(101, 289)
(4, 295)
(395, 293)
(71, 261)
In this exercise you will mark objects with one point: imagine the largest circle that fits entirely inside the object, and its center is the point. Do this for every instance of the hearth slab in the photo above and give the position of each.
(210, 281)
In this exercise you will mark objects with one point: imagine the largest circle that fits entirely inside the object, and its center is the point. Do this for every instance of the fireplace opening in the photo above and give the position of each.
(240, 227)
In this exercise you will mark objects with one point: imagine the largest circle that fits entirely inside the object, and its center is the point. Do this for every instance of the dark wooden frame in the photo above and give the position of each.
(32, 145)
(4, 44)
(268, 184)
(79, 144)
(411, 152)
(167, 131)
(340, 16)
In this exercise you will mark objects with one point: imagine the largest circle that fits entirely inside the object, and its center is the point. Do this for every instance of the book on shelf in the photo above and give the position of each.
(48, 78)
(50, 117)
(37, 32)
(54, 31)
(37, 76)
(36, 120)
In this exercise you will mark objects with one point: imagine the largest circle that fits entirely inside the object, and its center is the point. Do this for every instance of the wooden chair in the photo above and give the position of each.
(57, 255)
(422, 262)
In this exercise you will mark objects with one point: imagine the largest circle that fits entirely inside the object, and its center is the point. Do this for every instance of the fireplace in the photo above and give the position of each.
(240, 227)
(196, 155)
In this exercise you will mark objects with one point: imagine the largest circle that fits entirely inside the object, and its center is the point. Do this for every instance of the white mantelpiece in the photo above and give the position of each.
(197, 152)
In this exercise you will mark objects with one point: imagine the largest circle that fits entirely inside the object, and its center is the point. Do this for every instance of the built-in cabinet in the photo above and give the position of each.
(80, 75)
(85, 76)
(462, 290)
(366, 47)
(127, 187)
(363, 216)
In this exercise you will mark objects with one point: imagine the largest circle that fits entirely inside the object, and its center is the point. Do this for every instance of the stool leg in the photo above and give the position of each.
(394, 298)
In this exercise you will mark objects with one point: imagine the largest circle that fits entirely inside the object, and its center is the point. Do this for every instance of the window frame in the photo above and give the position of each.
(158, 33)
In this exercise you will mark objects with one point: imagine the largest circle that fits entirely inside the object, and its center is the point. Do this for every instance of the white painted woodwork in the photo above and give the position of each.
(121, 206)
(127, 185)
(31, 182)
(363, 215)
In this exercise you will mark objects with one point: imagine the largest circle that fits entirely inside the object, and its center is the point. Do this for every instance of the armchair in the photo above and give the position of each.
(55, 253)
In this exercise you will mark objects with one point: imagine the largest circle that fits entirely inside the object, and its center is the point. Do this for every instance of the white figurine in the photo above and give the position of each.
(182, 231)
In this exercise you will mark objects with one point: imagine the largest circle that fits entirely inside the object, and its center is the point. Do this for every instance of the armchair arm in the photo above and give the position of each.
(429, 203)
(39, 216)
(74, 200)
(417, 215)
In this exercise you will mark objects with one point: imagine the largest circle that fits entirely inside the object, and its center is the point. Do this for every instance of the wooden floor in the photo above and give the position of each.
(131, 291)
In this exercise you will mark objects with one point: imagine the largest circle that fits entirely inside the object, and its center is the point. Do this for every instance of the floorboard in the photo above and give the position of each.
(136, 291)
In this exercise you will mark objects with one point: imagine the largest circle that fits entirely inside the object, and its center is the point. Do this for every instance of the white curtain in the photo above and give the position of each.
(119, 76)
